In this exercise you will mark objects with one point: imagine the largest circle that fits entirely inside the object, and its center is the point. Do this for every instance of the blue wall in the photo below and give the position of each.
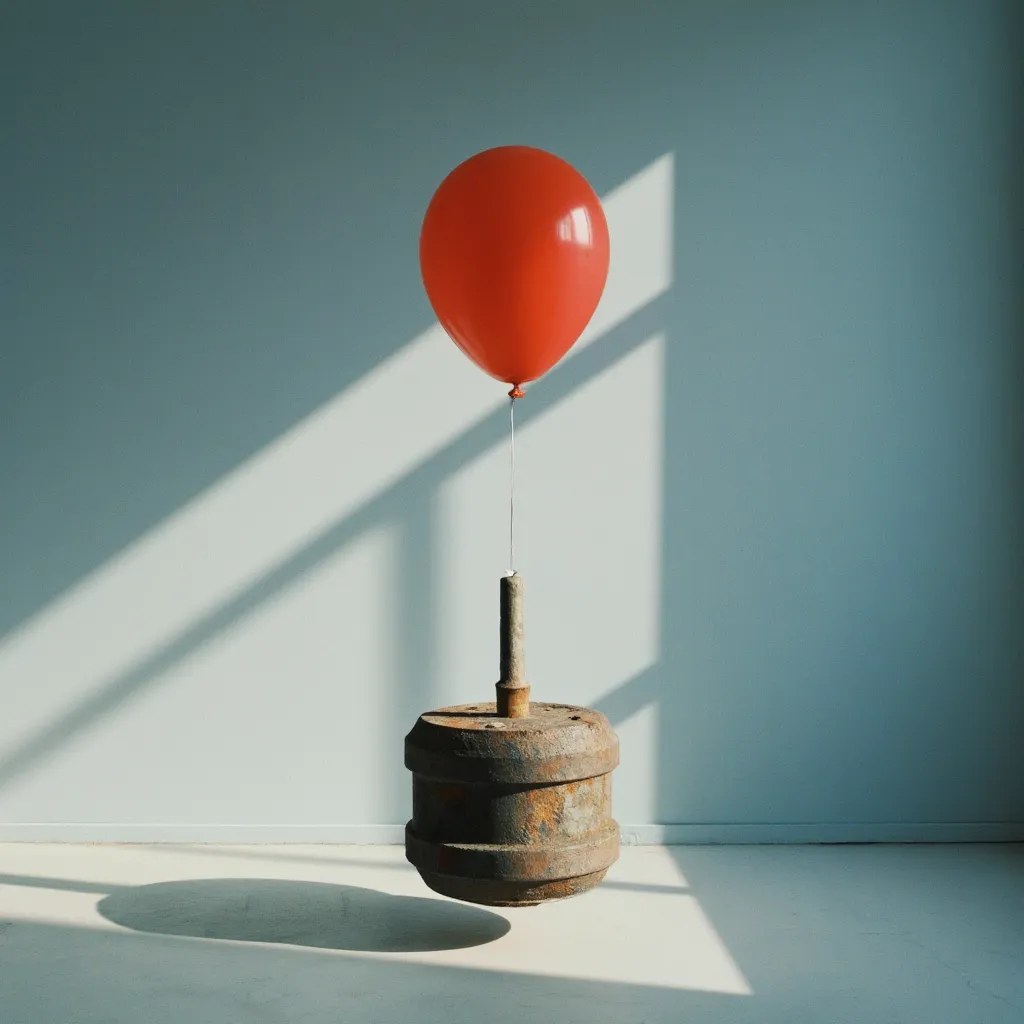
(210, 214)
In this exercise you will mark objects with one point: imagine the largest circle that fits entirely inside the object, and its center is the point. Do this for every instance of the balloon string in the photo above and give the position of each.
(512, 486)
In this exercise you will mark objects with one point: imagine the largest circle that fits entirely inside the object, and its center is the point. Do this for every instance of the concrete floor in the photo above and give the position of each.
(776, 935)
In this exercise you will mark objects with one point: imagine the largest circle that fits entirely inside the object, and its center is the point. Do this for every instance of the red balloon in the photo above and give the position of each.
(514, 257)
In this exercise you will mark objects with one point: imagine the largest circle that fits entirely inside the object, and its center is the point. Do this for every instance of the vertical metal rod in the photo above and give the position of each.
(512, 689)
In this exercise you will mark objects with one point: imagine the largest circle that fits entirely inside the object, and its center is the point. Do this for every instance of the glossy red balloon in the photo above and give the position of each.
(514, 257)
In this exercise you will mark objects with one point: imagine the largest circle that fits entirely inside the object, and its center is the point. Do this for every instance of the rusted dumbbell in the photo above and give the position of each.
(512, 801)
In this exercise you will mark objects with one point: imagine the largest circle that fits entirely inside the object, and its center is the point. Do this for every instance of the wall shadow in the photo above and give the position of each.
(408, 505)
(844, 480)
(213, 227)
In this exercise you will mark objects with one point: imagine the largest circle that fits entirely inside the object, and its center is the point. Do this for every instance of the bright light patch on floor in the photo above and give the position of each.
(641, 928)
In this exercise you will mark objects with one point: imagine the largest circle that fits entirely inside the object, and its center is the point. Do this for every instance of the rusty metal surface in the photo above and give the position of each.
(492, 893)
(540, 861)
(513, 699)
(458, 812)
(512, 811)
(512, 689)
(470, 743)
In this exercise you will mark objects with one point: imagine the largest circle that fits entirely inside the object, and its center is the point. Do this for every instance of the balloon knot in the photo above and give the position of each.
(516, 392)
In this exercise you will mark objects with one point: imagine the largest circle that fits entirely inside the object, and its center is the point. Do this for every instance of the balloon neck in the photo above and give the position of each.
(516, 392)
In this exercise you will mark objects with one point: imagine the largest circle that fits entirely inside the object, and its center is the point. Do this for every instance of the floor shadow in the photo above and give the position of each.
(51, 973)
(854, 923)
(313, 914)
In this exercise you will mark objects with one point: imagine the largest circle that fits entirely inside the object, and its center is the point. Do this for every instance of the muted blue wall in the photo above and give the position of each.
(210, 214)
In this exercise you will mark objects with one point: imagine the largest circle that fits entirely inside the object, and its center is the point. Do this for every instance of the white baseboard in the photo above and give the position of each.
(861, 832)
(242, 835)
(632, 835)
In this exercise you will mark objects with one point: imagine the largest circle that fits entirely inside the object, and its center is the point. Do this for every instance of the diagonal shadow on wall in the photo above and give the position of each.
(407, 504)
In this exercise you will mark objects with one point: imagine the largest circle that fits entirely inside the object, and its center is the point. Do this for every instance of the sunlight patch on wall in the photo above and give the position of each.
(246, 525)
(58, 669)
(640, 222)
(263, 723)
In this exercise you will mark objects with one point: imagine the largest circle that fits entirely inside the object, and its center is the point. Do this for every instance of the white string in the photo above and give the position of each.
(512, 487)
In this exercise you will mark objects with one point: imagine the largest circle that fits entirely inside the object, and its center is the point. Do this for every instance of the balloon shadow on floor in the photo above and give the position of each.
(312, 914)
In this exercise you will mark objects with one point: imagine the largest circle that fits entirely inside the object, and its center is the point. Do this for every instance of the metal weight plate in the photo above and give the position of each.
(512, 811)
